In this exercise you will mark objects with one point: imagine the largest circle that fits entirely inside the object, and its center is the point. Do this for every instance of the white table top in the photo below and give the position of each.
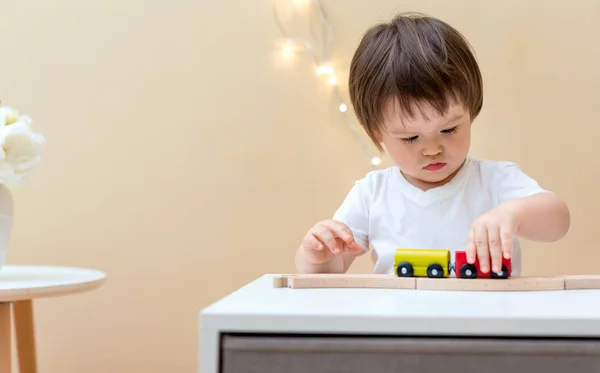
(258, 307)
(29, 282)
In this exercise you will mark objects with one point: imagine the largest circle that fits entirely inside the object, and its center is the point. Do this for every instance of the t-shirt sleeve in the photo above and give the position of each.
(354, 212)
(511, 182)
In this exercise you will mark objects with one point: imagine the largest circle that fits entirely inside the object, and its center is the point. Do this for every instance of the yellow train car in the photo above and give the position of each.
(422, 263)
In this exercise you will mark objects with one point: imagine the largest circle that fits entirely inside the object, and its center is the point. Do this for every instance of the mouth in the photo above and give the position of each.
(435, 166)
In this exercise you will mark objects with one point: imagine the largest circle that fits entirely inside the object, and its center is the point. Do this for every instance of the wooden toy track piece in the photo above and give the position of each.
(333, 280)
(377, 281)
(575, 282)
(487, 284)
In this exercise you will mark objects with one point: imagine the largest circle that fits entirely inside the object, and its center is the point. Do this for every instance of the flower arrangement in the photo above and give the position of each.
(20, 147)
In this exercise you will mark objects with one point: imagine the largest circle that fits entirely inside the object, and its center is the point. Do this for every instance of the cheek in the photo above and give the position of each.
(402, 154)
(465, 140)
(394, 146)
(459, 143)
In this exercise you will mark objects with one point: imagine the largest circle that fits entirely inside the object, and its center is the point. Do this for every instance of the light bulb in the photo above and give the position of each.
(375, 161)
(287, 48)
(324, 69)
(343, 108)
(332, 80)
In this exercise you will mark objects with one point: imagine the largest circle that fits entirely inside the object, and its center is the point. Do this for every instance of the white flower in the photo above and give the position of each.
(20, 147)
(8, 116)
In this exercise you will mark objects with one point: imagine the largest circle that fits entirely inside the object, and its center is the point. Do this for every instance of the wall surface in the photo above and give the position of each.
(186, 156)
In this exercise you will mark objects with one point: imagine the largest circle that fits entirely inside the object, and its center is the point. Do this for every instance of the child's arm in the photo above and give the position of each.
(332, 245)
(542, 217)
(524, 209)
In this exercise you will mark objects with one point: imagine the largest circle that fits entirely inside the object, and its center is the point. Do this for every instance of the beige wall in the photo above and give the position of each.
(186, 159)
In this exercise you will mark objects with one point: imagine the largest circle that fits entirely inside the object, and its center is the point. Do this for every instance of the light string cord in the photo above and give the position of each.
(322, 67)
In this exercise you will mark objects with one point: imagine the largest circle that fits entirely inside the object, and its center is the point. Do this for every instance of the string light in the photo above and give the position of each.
(325, 69)
(322, 60)
(287, 47)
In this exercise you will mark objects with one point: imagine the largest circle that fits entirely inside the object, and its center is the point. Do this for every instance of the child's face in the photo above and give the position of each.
(429, 149)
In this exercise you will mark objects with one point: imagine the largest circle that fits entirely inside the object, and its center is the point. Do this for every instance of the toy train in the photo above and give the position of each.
(436, 263)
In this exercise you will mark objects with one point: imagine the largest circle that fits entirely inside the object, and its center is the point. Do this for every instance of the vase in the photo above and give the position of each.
(6, 220)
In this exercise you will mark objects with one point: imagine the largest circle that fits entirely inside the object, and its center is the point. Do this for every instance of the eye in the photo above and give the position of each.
(449, 130)
(410, 139)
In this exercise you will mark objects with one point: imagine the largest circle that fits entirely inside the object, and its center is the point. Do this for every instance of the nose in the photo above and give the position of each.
(432, 148)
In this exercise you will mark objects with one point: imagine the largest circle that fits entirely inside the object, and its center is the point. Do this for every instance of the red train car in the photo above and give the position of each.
(463, 269)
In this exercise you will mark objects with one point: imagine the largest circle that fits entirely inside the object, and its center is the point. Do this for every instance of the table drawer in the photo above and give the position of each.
(353, 354)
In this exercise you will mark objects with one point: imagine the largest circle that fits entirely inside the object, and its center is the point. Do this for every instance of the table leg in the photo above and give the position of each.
(25, 336)
(5, 338)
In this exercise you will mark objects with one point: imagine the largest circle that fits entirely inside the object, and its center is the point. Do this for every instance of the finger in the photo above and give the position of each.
(483, 253)
(351, 245)
(470, 248)
(342, 231)
(507, 242)
(344, 247)
(495, 244)
(355, 247)
(312, 243)
(323, 234)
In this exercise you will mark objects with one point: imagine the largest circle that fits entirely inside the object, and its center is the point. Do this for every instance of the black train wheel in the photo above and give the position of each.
(468, 271)
(435, 270)
(502, 274)
(405, 269)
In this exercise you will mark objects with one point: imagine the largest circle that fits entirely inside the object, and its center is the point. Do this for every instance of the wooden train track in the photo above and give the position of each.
(377, 281)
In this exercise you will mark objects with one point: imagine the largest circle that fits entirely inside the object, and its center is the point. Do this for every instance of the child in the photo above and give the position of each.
(416, 88)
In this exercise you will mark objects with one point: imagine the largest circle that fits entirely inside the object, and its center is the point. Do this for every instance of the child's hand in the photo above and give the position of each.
(328, 239)
(491, 237)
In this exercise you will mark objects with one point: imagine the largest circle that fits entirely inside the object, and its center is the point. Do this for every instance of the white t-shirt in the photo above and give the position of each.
(385, 211)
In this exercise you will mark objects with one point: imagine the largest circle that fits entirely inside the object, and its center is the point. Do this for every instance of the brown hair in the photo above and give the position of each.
(414, 59)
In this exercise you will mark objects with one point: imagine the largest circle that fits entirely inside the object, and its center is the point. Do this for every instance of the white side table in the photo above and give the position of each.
(19, 286)
(261, 329)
